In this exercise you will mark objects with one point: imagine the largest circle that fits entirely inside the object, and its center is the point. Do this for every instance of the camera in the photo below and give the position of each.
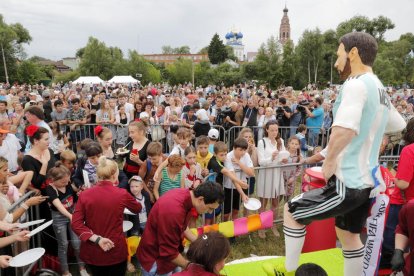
(221, 117)
(301, 106)
(280, 111)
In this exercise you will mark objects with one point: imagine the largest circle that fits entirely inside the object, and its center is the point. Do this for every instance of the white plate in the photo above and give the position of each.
(126, 225)
(122, 152)
(40, 228)
(27, 257)
(252, 204)
(283, 154)
(128, 212)
(30, 223)
(317, 169)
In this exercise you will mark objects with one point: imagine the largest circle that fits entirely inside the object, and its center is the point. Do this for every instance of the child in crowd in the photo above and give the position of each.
(213, 135)
(247, 134)
(68, 159)
(192, 178)
(207, 255)
(147, 170)
(203, 155)
(192, 170)
(59, 142)
(136, 185)
(172, 139)
(301, 135)
(171, 176)
(290, 174)
(216, 165)
(62, 204)
(184, 136)
(93, 152)
(237, 160)
(173, 122)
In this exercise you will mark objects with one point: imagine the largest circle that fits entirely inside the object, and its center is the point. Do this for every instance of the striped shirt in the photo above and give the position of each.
(364, 107)
(167, 183)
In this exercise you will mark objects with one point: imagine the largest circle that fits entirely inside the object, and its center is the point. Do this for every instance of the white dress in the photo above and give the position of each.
(270, 182)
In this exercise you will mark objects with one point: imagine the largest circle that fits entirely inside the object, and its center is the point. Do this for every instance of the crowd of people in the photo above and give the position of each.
(88, 152)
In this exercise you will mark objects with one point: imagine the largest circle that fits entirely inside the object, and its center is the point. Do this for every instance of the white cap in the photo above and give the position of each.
(202, 115)
(143, 115)
(213, 133)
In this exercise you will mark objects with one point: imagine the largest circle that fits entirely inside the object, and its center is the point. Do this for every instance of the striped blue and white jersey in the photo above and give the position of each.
(363, 106)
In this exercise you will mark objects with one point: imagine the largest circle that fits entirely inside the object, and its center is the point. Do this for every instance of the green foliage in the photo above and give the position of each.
(137, 64)
(30, 72)
(167, 49)
(66, 77)
(376, 27)
(12, 37)
(97, 60)
(217, 52)
(180, 71)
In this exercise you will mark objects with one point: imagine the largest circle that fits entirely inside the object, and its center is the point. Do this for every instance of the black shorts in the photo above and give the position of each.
(231, 200)
(251, 181)
(349, 206)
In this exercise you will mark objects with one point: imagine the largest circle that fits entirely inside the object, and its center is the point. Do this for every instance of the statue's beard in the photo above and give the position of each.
(344, 74)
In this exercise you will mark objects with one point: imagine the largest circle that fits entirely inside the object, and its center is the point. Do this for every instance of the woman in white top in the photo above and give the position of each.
(122, 119)
(261, 122)
(270, 184)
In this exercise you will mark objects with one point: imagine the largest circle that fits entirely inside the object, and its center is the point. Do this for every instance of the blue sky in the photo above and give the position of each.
(60, 27)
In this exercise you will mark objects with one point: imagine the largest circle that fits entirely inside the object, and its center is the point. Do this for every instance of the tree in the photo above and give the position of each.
(376, 27)
(217, 52)
(30, 72)
(168, 50)
(12, 37)
(97, 60)
(180, 71)
(289, 65)
(137, 64)
(230, 53)
(310, 53)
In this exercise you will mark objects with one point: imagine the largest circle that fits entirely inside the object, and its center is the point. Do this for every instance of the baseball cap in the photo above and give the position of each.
(143, 115)
(213, 134)
(202, 115)
(135, 178)
(3, 131)
(33, 94)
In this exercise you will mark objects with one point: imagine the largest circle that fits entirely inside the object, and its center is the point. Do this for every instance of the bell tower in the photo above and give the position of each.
(284, 30)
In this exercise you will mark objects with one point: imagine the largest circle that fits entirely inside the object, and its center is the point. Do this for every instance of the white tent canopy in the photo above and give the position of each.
(123, 79)
(89, 80)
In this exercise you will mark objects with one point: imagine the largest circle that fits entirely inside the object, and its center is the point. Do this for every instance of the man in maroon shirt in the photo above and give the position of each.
(159, 251)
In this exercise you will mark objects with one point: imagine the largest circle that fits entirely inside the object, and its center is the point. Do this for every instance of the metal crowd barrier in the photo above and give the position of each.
(272, 176)
(285, 134)
(35, 241)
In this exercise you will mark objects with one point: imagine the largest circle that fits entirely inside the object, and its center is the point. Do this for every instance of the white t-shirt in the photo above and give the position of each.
(178, 150)
(142, 215)
(129, 108)
(245, 160)
(9, 149)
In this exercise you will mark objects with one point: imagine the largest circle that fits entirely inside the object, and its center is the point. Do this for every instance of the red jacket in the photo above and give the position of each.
(100, 211)
(164, 232)
(195, 270)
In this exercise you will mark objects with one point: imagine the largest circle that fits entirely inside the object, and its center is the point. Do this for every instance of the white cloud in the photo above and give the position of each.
(60, 27)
